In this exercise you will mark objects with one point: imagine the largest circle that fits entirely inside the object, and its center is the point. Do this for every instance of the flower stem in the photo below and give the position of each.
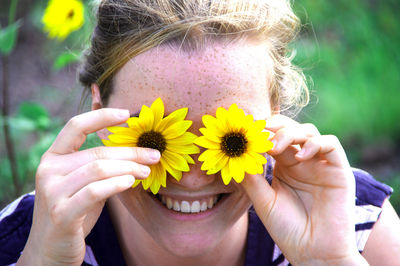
(6, 129)
(12, 11)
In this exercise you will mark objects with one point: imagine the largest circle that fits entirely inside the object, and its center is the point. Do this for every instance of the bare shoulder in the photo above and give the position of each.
(383, 245)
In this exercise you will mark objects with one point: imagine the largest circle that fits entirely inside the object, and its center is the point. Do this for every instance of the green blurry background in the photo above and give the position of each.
(347, 49)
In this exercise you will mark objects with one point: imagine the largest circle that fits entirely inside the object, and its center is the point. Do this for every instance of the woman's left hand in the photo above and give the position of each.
(309, 208)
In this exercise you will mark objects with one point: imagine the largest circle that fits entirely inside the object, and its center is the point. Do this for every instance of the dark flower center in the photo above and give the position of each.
(234, 144)
(70, 14)
(153, 140)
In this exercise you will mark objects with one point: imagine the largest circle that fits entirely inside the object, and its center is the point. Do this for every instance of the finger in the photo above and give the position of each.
(261, 195)
(327, 146)
(292, 135)
(73, 135)
(276, 122)
(99, 170)
(287, 157)
(83, 201)
(75, 160)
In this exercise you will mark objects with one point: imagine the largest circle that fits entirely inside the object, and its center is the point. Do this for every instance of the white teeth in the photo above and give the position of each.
(169, 203)
(195, 206)
(177, 207)
(185, 207)
(189, 207)
(203, 206)
(210, 203)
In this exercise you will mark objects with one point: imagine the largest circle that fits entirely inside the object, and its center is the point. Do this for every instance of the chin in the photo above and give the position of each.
(188, 245)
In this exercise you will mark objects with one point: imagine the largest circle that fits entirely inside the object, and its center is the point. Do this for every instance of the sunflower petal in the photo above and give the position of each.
(236, 168)
(159, 178)
(185, 139)
(146, 118)
(207, 143)
(177, 129)
(183, 149)
(213, 125)
(208, 155)
(133, 122)
(188, 158)
(210, 135)
(124, 130)
(226, 175)
(158, 110)
(175, 116)
(107, 142)
(175, 161)
(236, 117)
(173, 172)
(253, 135)
(137, 182)
(258, 157)
(260, 146)
(122, 139)
(251, 166)
(147, 182)
(221, 113)
(260, 169)
(221, 163)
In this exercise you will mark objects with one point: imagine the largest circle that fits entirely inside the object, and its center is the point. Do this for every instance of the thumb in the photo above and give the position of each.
(262, 195)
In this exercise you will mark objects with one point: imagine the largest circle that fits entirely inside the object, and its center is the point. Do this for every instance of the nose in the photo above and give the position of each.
(195, 179)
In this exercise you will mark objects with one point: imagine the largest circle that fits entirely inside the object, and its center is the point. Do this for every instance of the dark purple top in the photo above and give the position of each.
(103, 247)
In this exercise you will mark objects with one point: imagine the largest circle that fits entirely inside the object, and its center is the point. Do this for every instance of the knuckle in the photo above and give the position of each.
(56, 213)
(311, 128)
(282, 133)
(97, 168)
(98, 153)
(104, 113)
(333, 139)
(92, 193)
(43, 169)
(138, 153)
(74, 123)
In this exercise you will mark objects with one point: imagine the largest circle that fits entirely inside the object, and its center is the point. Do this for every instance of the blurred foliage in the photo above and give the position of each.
(350, 50)
(31, 124)
(394, 182)
(32, 127)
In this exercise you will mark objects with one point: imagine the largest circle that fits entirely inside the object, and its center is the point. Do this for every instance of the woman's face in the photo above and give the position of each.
(217, 76)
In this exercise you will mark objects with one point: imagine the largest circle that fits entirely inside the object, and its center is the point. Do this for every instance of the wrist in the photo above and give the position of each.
(356, 260)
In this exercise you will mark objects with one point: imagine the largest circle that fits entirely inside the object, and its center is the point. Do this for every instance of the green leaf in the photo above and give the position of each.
(8, 37)
(36, 113)
(65, 59)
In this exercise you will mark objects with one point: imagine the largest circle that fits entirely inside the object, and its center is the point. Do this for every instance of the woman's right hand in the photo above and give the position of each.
(72, 187)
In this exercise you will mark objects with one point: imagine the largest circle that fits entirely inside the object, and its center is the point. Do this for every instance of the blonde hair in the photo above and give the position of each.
(127, 28)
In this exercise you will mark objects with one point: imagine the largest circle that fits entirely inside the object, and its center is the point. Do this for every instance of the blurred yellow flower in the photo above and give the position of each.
(233, 143)
(167, 134)
(62, 17)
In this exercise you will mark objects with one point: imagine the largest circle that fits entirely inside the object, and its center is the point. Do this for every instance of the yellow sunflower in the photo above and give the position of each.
(166, 134)
(234, 143)
(62, 17)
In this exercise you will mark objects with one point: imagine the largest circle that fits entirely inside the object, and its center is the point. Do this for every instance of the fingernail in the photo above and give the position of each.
(154, 155)
(122, 114)
(301, 152)
(130, 180)
(146, 170)
(274, 146)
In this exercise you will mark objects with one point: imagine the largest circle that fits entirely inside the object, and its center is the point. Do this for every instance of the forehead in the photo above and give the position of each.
(218, 75)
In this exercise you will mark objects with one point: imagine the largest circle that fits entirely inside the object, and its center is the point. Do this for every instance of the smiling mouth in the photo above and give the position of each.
(185, 206)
